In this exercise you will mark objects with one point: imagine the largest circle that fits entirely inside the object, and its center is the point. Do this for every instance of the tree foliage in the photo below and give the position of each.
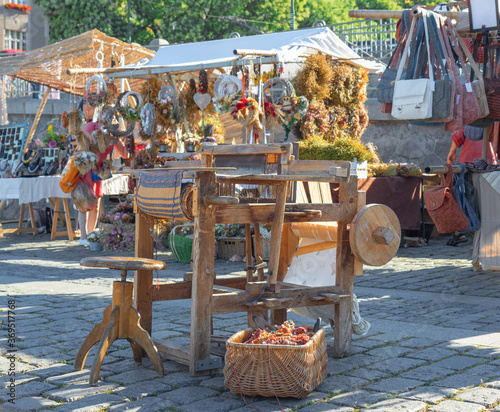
(180, 21)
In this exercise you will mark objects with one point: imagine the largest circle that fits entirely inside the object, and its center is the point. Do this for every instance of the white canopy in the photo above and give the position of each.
(286, 46)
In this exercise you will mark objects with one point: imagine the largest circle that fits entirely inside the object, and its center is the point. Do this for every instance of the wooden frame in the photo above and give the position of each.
(210, 295)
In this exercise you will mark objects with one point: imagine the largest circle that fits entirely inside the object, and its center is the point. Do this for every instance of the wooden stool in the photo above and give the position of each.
(121, 319)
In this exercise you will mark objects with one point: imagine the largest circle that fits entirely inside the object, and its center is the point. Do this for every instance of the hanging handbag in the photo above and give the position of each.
(412, 98)
(463, 202)
(444, 88)
(467, 108)
(443, 206)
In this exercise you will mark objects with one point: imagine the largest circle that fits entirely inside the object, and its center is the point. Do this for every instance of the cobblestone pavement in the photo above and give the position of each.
(434, 341)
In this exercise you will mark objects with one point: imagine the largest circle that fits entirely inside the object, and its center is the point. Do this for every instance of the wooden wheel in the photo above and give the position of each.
(375, 234)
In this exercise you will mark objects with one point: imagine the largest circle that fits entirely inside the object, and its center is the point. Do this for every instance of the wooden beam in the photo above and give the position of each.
(37, 119)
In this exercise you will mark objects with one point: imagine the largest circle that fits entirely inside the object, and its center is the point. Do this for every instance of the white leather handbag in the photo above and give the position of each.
(412, 98)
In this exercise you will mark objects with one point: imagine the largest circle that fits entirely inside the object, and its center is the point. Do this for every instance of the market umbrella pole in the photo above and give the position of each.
(37, 119)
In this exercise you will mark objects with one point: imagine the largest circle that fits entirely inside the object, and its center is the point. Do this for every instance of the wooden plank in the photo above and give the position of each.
(143, 279)
(358, 265)
(246, 149)
(248, 251)
(264, 212)
(317, 167)
(258, 251)
(326, 193)
(67, 217)
(203, 269)
(278, 179)
(36, 120)
(173, 351)
(301, 193)
(345, 271)
(315, 192)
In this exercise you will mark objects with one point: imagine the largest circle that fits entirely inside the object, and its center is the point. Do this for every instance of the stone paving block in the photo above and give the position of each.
(140, 390)
(95, 403)
(26, 390)
(326, 407)
(216, 383)
(429, 394)
(53, 370)
(138, 375)
(459, 381)
(31, 342)
(458, 362)
(20, 380)
(389, 351)
(484, 396)
(431, 354)
(218, 403)
(486, 372)
(287, 403)
(30, 404)
(263, 406)
(355, 361)
(394, 385)
(396, 365)
(172, 367)
(393, 405)
(188, 394)
(336, 366)
(75, 377)
(47, 360)
(358, 398)
(426, 373)
(142, 405)
(418, 343)
(79, 390)
(455, 406)
(368, 374)
(340, 383)
(180, 379)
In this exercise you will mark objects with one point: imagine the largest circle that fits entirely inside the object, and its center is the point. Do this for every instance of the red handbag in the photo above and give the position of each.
(443, 207)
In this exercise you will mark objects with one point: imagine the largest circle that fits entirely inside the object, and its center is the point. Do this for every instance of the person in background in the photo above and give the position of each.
(87, 222)
(470, 140)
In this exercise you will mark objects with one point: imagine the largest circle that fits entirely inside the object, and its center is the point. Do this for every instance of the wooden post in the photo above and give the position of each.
(348, 196)
(37, 119)
(203, 273)
(276, 233)
(143, 279)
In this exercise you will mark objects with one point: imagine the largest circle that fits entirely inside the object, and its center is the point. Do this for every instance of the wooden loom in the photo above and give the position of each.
(257, 295)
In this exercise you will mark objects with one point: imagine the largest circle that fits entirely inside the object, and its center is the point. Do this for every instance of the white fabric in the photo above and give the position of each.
(486, 248)
(34, 189)
(290, 46)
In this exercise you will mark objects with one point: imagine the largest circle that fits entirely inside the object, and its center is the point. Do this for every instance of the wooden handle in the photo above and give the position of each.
(383, 235)
(220, 200)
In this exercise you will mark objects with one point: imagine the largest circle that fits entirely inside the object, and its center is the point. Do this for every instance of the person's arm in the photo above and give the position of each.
(452, 155)
(120, 148)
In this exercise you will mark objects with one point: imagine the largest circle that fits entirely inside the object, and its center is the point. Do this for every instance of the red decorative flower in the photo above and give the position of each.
(20, 7)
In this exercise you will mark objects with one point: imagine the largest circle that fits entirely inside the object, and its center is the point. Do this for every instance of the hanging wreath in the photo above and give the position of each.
(227, 88)
(111, 122)
(294, 109)
(96, 99)
(274, 115)
(148, 117)
(166, 103)
(276, 88)
(246, 112)
(314, 80)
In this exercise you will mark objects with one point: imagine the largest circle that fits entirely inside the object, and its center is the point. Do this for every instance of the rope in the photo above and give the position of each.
(359, 325)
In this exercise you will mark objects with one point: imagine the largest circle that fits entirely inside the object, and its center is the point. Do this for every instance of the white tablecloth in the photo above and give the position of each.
(33, 189)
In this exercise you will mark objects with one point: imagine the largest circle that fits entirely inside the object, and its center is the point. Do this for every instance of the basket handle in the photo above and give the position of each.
(178, 226)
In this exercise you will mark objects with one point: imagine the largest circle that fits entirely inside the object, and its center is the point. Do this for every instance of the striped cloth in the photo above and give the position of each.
(159, 195)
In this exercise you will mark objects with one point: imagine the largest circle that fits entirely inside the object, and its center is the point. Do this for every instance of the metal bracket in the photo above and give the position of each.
(207, 364)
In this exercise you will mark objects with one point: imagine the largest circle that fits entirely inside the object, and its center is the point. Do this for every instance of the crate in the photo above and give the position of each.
(274, 370)
(229, 246)
(266, 247)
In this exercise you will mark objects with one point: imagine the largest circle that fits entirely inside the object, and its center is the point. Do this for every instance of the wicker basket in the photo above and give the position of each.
(266, 247)
(295, 370)
(180, 246)
(227, 247)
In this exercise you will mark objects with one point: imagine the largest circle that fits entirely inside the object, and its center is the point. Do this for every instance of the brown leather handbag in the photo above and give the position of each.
(443, 207)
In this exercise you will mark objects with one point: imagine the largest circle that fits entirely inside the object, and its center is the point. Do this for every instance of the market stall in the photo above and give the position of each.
(20, 153)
